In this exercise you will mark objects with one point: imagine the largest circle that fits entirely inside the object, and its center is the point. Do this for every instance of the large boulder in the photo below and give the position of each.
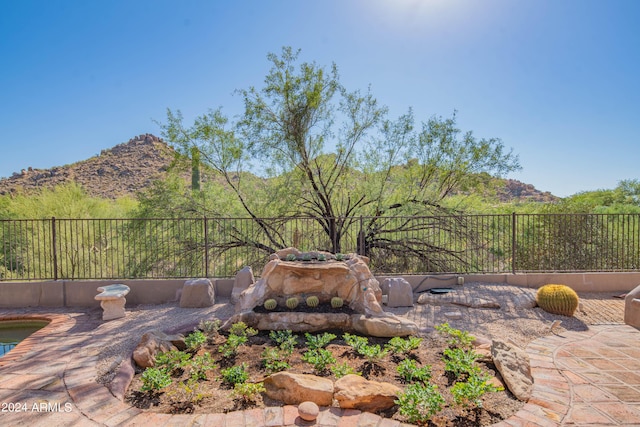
(350, 280)
(515, 368)
(293, 389)
(155, 342)
(197, 293)
(399, 291)
(244, 278)
(387, 326)
(355, 392)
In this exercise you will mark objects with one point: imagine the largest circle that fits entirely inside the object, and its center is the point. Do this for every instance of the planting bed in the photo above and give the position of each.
(212, 394)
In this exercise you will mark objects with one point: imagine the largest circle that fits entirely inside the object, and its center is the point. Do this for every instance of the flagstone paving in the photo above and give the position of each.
(584, 378)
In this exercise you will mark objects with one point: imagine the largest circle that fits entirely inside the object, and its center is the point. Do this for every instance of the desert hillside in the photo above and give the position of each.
(132, 166)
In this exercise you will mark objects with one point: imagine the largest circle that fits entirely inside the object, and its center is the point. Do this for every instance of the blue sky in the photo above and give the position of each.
(557, 80)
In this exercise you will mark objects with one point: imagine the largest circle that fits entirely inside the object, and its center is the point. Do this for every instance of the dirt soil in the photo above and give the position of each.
(217, 397)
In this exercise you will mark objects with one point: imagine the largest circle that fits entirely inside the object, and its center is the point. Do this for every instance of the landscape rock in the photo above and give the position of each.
(308, 411)
(294, 321)
(197, 293)
(154, 342)
(453, 315)
(293, 389)
(355, 392)
(456, 299)
(514, 367)
(244, 278)
(387, 326)
(399, 291)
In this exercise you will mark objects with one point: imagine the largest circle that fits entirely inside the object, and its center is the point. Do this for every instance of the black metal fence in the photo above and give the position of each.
(56, 249)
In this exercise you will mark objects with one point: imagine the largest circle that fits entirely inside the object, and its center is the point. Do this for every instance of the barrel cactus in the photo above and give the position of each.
(270, 304)
(292, 303)
(336, 302)
(557, 299)
(313, 301)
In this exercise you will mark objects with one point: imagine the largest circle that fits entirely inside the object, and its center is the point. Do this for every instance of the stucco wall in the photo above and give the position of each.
(81, 293)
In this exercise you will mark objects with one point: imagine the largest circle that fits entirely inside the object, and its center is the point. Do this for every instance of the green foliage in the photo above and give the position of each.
(372, 353)
(275, 360)
(322, 257)
(154, 379)
(248, 392)
(210, 327)
(469, 393)
(403, 346)
(320, 358)
(235, 375)
(195, 340)
(186, 393)
(199, 366)
(306, 257)
(318, 341)
(455, 337)
(420, 402)
(172, 361)
(342, 369)
(409, 371)
(241, 329)
(355, 341)
(461, 361)
(230, 347)
(339, 257)
(285, 340)
(291, 257)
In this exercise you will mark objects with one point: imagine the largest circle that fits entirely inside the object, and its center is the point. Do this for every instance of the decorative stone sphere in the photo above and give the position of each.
(308, 411)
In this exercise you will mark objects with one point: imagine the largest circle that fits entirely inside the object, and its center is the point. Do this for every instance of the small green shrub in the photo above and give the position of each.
(154, 379)
(274, 360)
(230, 347)
(306, 257)
(235, 375)
(409, 371)
(186, 393)
(372, 353)
(403, 346)
(469, 393)
(355, 341)
(209, 327)
(199, 366)
(315, 342)
(241, 329)
(291, 257)
(336, 302)
(455, 337)
(312, 301)
(285, 340)
(342, 369)
(292, 303)
(320, 359)
(172, 361)
(322, 257)
(248, 392)
(459, 361)
(270, 304)
(339, 257)
(195, 340)
(420, 402)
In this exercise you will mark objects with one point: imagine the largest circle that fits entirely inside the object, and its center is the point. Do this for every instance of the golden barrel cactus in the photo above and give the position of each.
(270, 304)
(557, 299)
(292, 303)
(313, 301)
(336, 302)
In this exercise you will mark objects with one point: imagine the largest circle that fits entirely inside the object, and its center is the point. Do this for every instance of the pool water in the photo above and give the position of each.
(14, 331)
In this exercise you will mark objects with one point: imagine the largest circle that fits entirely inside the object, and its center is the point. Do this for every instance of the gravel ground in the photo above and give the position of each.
(512, 321)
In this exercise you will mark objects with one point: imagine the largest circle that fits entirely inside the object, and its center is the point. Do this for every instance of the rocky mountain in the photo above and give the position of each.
(132, 166)
(119, 171)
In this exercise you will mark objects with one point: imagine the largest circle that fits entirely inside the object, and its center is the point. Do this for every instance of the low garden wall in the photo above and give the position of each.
(79, 293)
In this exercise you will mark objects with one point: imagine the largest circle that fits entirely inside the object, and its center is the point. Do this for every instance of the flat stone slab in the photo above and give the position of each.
(112, 292)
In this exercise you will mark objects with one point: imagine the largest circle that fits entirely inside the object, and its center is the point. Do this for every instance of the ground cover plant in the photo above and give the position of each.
(443, 381)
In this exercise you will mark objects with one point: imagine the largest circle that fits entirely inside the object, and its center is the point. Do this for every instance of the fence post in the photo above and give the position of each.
(361, 250)
(513, 242)
(206, 248)
(54, 250)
